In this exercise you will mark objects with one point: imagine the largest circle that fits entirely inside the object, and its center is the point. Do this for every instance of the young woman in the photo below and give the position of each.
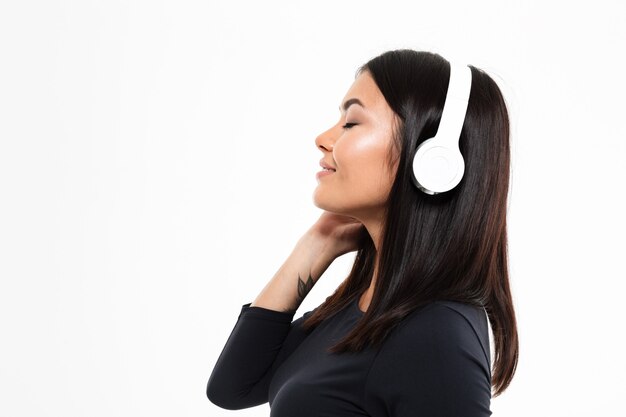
(406, 333)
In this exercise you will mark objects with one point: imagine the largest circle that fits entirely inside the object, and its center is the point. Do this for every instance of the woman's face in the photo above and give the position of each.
(360, 185)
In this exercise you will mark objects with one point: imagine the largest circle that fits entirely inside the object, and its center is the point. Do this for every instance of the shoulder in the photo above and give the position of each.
(450, 319)
(444, 327)
(433, 356)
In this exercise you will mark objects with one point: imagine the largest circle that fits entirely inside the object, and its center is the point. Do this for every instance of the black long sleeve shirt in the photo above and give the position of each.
(435, 363)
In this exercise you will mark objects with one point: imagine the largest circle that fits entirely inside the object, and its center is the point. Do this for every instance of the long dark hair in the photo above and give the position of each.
(449, 246)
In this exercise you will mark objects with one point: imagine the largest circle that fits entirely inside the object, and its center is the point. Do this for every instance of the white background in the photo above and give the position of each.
(157, 164)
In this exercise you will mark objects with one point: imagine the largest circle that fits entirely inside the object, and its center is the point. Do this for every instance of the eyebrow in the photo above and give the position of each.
(350, 102)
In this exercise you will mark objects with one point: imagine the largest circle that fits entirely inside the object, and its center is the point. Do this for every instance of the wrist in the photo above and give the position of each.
(318, 250)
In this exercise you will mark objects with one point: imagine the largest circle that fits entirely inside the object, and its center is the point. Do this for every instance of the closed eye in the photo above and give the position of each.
(348, 125)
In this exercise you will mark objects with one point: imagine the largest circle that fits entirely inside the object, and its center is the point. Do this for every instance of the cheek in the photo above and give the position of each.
(362, 160)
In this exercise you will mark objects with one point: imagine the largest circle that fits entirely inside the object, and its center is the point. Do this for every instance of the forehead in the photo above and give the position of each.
(365, 89)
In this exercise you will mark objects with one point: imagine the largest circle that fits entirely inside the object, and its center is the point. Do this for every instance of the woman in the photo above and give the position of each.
(406, 333)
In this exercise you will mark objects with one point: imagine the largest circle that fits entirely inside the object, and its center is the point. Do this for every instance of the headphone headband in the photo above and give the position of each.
(438, 165)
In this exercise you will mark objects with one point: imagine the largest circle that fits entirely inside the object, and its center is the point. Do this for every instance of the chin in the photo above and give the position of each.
(319, 204)
(328, 203)
(329, 207)
(321, 200)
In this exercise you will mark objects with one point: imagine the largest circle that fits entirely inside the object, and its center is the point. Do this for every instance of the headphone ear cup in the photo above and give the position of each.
(436, 167)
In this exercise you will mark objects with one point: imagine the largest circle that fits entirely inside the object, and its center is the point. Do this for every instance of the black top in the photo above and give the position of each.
(435, 363)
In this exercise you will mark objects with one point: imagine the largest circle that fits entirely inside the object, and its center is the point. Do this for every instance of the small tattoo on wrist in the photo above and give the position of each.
(304, 288)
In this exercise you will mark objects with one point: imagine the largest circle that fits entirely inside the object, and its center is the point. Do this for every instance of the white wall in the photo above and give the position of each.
(157, 162)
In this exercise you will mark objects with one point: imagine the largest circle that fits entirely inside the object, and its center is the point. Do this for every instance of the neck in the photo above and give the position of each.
(373, 224)
(366, 297)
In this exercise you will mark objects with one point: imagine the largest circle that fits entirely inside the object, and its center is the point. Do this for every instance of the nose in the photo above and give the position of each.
(325, 141)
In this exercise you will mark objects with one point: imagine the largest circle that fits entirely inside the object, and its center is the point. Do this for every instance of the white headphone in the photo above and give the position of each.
(438, 165)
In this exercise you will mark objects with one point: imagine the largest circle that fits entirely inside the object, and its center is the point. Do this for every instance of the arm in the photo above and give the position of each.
(264, 335)
(432, 365)
(260, 342)
(296, 277)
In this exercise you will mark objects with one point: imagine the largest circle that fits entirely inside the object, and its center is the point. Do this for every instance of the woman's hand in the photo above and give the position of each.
(340, 234)
(331, 236)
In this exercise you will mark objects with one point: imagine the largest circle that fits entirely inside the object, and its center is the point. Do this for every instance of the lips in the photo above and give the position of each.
(326, 165)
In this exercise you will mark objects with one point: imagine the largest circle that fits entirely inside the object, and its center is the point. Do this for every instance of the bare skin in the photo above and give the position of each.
(330, 237)
(353, 197)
